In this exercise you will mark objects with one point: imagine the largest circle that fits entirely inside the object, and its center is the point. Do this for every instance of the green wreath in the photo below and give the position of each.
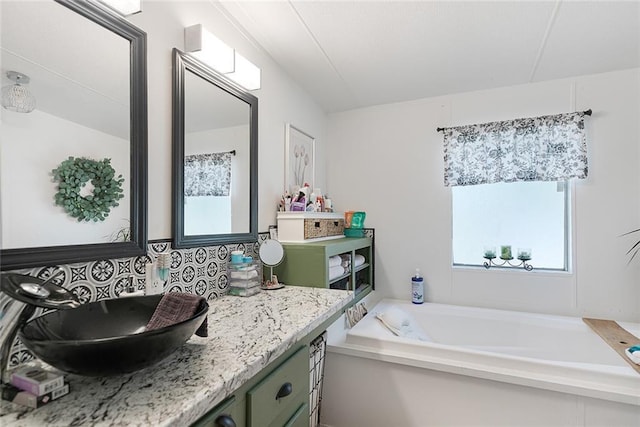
(73, 174)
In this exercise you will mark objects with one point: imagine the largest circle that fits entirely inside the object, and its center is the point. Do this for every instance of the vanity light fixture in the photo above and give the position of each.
(17, 97)
(209, 49)
(124, 7)
(224, 59)
(246, 74)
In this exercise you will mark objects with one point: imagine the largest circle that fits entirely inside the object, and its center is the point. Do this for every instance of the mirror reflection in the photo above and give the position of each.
(81, 111)
(215, 157)
(86, 73)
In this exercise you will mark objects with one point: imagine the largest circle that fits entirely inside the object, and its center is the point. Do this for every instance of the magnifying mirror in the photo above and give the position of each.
(271, 254)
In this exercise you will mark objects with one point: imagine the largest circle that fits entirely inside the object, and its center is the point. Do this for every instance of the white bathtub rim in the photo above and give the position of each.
(575, 378)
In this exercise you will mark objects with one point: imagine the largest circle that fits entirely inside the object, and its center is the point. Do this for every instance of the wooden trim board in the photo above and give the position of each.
(613, 334)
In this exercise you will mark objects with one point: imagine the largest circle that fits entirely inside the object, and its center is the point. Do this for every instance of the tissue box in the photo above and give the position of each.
(13, 394)
(300, 227)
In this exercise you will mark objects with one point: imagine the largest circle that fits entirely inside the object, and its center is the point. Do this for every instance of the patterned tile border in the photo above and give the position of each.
(200, 271)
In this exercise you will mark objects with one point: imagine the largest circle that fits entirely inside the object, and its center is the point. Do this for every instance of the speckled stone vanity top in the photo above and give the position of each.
(245, 335)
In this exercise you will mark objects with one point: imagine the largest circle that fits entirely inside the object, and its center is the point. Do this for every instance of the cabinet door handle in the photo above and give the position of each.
(284, 391)
(224, 421)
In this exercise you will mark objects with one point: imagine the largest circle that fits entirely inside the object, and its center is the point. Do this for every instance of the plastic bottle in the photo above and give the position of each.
(417, 288)
(153, 285)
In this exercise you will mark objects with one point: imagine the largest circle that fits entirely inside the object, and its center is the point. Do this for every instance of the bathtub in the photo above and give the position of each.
(515, 361)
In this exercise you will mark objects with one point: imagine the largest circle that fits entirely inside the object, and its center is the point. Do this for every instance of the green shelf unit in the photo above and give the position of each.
(307, 264)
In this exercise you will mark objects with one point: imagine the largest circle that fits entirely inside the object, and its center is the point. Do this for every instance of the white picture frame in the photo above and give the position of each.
(300, 158)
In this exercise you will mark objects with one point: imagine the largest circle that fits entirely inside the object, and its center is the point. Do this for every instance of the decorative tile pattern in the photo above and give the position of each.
(199, 270)
(202, 271)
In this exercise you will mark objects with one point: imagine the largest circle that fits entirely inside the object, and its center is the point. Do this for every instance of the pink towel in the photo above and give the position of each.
(176, 307)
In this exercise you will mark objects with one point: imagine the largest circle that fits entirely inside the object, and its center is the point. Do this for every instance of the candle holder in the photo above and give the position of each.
(491, 263)
(489, 252)
(524, 254)
(506, 259)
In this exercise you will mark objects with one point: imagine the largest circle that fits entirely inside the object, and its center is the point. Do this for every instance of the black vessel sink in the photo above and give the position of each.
(106, 337)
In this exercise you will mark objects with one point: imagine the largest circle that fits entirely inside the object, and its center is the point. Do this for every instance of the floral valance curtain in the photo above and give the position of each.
(207, 174)
(546, 148)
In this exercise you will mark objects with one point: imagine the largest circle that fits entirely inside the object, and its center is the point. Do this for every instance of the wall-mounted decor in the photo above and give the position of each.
(74, 174)
(300, 157)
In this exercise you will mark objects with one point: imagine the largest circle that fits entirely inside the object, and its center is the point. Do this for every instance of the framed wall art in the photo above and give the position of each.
(300, 157)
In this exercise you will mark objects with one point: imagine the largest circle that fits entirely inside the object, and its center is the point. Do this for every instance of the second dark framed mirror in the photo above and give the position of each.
(215, 157)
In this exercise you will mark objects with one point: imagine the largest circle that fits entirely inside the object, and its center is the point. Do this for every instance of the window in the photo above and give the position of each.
(533, 215)
(509, 188)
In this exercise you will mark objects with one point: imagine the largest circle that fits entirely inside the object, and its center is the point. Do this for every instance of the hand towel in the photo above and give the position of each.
(336, 272)
(335, 261)
(358, 260)
(176, 307)
(402, 324)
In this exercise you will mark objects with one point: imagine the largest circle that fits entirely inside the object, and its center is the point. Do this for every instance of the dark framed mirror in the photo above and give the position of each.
(215, 157)
(87, 70)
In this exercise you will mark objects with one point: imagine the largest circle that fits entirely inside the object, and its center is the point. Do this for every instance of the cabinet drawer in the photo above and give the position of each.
(295, 415)
(290, 380)
(300, 418)
(227, 413)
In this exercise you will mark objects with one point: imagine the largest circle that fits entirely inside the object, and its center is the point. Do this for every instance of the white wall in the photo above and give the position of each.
(387, 161)
(280, 101)
(32, 146)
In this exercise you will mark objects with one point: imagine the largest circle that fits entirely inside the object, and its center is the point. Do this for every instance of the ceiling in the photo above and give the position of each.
(353, 54)
(63, 54)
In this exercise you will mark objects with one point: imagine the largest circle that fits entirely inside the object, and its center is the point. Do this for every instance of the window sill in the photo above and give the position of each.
(511, 270)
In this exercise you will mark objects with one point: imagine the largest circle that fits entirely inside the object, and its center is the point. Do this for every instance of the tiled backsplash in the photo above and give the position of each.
(200, 271)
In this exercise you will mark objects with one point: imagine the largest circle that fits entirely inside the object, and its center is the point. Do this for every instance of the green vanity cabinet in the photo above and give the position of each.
(228, 413)
(276, 397)
(307, 264)
(282, 395)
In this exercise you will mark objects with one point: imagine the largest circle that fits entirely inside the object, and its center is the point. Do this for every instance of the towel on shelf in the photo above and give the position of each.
(176, 307)
(336, 271)
(402, 324)
(358, 260)
(335, 261)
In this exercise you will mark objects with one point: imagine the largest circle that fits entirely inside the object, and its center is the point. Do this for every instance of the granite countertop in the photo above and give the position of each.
(245, 335)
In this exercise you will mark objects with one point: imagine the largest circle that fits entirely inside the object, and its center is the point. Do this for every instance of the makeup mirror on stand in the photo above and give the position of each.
(271, 254)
